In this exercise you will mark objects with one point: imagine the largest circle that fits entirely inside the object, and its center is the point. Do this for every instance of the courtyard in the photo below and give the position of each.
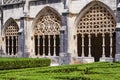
(91, 71)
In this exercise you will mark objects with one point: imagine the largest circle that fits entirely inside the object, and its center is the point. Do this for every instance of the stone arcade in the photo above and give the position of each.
(67, 31)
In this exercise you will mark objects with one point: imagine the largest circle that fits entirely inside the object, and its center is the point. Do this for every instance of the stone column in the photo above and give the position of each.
(38, 46)
(12, 50)
(64, 56)
(103, 45)
(49, 45)
(54, 37)
(89, 36)
(8, 45)
(43, 45)
(1, 28)
(111, 45)
(83, 58)
(26, 34)
(61, 41)
(117, 55)
(21, 39)
(0, 31)
(16, 38)
(104, 58)
(83, 45)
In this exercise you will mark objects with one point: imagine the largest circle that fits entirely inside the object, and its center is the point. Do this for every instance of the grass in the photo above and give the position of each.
(93, 71)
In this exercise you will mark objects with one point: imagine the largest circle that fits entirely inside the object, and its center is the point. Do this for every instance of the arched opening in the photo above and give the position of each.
(96, 33)
(11, 37)
(47, 33)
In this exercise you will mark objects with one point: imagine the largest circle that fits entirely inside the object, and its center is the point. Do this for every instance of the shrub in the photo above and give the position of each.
(93, 71)
(18, 63)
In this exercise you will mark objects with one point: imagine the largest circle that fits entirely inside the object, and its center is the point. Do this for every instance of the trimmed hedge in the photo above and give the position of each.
(18, 63)
(93, 71)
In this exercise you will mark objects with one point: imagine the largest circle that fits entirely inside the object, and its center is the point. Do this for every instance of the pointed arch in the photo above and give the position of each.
(46, 30)
(9, 22)
(10, 32)
(88, 6)
(46, 9)
(95, 27)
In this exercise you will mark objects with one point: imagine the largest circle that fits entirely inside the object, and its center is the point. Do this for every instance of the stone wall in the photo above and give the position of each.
(29, 9)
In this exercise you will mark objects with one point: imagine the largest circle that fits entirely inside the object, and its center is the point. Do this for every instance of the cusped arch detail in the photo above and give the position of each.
(10, 33)
(46, 30)
(10, 27)
(90, 7)
(95, 27)
(47, 20)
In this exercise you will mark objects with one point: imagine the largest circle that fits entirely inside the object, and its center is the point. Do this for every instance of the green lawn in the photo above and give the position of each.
(94, 71)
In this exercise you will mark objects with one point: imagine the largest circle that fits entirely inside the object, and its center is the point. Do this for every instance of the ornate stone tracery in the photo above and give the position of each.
(96, 20)
(47, 30)
(11, 37)
(49, 23)
(96, 23)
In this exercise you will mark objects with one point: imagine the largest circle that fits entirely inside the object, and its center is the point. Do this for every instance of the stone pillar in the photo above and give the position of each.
(89, 45)
(104, 58)
(12, 50)
(83, 58)
(83, 46)
(21, 39)
(111, 45)
(16, 45)
(1, 28)
(117, 55)
(54, 37)
(38, 46)
(44, 46)
(8, 45)
(64, 56)
(103, 45)
(49, 54)
(62, 41)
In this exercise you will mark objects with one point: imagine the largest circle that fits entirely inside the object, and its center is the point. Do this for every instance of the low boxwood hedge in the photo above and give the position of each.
(93, 71)
(18, 63)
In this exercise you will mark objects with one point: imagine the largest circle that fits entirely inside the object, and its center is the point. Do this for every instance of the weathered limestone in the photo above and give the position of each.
(63, 30)
(117, 56)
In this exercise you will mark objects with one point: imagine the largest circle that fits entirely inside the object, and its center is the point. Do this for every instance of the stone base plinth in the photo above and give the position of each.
(54, 60)
(117, 57)
(78, 60)
(64, 58)
(9, 56)
(106, 59)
